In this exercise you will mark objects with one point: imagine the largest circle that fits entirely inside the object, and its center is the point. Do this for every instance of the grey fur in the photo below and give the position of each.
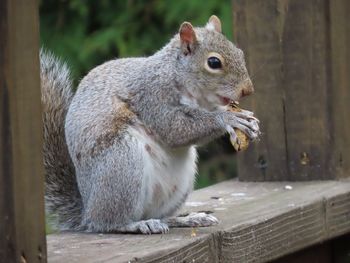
(128, 111)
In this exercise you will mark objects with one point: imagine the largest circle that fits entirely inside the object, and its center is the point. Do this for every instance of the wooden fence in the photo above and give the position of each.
(22, 225)
(298, 55)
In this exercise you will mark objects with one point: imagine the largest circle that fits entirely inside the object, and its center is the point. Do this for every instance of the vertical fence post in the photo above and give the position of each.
(340, 92)
(298, 55)
(22, 224)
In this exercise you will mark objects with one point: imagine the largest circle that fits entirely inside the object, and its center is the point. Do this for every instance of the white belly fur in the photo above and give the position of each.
(168, 175)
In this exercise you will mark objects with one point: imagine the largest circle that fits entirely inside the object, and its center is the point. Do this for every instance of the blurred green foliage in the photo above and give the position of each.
(86, 33)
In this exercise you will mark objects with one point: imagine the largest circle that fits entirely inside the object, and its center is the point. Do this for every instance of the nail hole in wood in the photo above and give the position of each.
(262, 163)
(340, 159)
(40, 254)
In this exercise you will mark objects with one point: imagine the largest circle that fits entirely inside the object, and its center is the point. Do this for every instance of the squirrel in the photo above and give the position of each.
(120, 153)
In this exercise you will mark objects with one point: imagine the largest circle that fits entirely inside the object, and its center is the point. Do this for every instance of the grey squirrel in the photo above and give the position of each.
(120, 153)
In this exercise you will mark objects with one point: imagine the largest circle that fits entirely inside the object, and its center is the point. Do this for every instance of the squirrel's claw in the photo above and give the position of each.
(148, 227)
(240, 120)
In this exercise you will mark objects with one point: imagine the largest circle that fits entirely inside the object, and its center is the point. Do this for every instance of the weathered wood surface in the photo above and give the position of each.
(22, 224)
(298, 56)
(340, 79)
(258, 222)
(257, 33)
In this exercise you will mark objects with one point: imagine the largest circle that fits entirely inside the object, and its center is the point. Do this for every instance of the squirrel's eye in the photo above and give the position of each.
(214, 63)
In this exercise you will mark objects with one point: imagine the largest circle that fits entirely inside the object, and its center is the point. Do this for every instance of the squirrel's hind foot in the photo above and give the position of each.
(150, 226)
(194, 219)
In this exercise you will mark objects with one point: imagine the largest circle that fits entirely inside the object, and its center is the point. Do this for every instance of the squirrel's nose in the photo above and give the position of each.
(247, 87)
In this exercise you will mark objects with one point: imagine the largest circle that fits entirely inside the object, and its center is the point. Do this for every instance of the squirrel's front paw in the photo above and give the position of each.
(244, 121)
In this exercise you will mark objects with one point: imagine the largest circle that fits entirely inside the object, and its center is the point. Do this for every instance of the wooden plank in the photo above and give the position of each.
(22, 225)
(259, 222)
(298, 55)
(6, 199)
(281, 233)
(340, 92)
(304, 48)
(258, 34)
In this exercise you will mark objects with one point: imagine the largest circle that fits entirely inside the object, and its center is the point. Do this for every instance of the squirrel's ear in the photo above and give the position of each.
(214, 23)
(188, 37)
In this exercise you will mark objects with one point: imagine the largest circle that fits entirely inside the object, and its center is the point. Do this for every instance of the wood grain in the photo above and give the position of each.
(22, 225)
(257, 33)
(304, 49)
(340, 92)
(259, 222)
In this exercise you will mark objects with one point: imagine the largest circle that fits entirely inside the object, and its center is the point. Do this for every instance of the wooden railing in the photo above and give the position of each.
(259, 222)
(22, 224)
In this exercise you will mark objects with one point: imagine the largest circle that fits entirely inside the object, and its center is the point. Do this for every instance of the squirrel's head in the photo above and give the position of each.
(210, 66)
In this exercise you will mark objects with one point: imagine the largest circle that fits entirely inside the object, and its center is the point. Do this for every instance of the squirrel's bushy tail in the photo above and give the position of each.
(62, 195)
